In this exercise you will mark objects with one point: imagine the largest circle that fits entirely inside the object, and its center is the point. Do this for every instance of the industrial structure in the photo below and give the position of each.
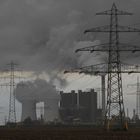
(30, 94)
(115, 105)
(75, 115)
(28, 104)
(137, 93)
(11, 76)
(81, 106)
(101, 70)
(98, 70)
(12, 110)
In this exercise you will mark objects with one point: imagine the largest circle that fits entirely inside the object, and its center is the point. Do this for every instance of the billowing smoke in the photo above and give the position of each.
(31, 93)
(38, 90)
(42, 35)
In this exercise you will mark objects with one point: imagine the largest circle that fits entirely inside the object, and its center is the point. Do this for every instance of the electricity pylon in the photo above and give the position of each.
(12, 110)
(11, 76)
(115, 106)
(137, 93)
(101, 70)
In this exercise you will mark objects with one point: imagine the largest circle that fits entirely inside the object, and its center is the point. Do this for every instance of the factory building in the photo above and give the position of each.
(80, 106)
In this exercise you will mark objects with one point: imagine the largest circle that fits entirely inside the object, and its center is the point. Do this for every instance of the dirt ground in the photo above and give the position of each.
(57, 133)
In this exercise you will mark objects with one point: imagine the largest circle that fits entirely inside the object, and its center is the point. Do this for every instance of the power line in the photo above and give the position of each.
(12, 83)
(115, 104)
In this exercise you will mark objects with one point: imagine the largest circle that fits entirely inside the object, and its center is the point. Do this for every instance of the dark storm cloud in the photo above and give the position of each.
(41, 35)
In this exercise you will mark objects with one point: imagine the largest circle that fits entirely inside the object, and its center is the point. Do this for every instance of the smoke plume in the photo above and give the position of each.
(38, 90)
(42, 35)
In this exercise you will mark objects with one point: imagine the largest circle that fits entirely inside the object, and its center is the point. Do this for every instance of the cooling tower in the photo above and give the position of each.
(25, 94)
(29, 93)
(28, 110)
(51, 112)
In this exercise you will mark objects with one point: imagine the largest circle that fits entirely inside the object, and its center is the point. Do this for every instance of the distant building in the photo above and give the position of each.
(80, 106)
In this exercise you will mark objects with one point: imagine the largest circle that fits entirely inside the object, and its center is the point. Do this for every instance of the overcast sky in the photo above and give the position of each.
(42, 35)
(46, 32)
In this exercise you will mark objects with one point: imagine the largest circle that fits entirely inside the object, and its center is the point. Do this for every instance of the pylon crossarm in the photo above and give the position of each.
(95, 72)
(122, 46)
(104, 48)
(92, 69)
(107, 29)
(98, 29)
(102, 68)
(95, 67)
(130, 68)
(88, 49)
(72, 71)
(119, 12)
(126, 29)
(128, 47)
(107, 12)
(93, 48)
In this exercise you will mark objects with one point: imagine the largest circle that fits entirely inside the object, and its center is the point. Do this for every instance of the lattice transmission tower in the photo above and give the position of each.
(101, 70)
(12, 77)
(115, 113)
(12, 110)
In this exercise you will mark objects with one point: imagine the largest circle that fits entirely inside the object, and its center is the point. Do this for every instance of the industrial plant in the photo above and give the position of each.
(53, 52)
(62, 107)
(81, 106)
(29, 94)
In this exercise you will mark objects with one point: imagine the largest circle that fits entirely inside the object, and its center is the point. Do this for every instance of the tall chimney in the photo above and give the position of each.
(78, 99)
(103, 95)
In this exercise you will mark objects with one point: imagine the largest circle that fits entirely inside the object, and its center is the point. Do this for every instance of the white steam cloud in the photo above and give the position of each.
(38, 90)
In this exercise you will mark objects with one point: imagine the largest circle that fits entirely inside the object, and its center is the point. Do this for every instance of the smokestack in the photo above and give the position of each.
(78, 98)
(51, 110)
(127, 113)
(134, 112)
(103, 94)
